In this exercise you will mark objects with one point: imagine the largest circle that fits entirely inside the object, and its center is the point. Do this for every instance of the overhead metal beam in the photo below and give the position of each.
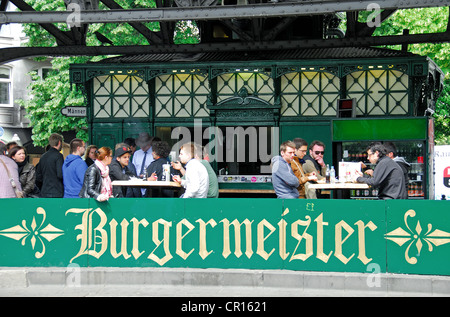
(150, 36)
(9, 54)
(218, 12)
(62, 38)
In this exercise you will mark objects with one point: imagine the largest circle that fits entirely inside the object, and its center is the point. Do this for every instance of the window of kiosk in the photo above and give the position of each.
(245, 150)
(177, 136)
(230, 150)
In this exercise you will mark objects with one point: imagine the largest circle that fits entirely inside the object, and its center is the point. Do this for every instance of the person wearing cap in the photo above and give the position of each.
(118, 170)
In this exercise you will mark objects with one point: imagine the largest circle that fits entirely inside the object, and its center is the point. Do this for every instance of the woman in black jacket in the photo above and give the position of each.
(97, 183)
(27, 171)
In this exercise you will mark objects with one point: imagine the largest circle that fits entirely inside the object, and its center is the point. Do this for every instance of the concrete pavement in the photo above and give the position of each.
(186, 282)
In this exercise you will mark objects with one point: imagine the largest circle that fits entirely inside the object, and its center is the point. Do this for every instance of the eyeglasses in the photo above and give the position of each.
(319, 152)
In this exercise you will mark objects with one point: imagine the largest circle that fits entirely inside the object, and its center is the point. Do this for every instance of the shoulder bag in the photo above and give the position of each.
(19, 194)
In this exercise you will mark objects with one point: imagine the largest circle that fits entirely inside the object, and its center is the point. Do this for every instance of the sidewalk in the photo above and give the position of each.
(185, 282)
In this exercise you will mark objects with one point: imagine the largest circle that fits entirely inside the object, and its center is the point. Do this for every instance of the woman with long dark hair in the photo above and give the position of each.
(27, 172)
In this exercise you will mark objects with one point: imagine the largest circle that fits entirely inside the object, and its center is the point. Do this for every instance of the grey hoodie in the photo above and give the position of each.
(388, 177)
(284, 181)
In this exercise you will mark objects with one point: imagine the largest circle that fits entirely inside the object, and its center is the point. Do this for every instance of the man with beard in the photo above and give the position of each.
(314, 161)
(387, 175)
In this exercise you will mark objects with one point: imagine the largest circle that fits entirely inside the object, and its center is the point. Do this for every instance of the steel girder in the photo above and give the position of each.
(8, 54)
(73, 42)
(218, 12)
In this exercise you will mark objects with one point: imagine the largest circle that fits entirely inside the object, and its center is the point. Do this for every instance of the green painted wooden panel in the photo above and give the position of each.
(310, 131)
(314, 235)
(376, 129)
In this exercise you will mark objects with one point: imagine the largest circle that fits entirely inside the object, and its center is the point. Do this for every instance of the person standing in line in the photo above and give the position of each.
(9, 146)
(74, 168)
(90, 155)
(196, 182)
(8, 171)
(301, 147)
(97, 183)
(284, 181)
(27, 171)
(49, 175)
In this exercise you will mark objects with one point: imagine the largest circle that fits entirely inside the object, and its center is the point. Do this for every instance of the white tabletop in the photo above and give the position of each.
(338, 186)
(143, 183)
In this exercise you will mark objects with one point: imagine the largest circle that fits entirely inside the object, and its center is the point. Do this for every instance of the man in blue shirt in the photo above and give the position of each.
(74, 168)
(143, 157)
(284, 181)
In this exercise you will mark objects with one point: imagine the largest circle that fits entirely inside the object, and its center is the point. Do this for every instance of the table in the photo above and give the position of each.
(156, 187)
(246, 191)
(344, 188)
(338, 186)
(143, 183)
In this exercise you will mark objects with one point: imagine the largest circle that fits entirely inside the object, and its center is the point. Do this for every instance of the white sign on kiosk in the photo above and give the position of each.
(442, 172)
(347, 171)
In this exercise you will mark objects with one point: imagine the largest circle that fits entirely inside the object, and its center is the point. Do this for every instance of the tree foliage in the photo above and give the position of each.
(49, 96)
(420, 21)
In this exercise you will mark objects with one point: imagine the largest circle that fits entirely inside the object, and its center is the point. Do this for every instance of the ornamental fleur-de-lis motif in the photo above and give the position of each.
(401, 236)
(34, 232)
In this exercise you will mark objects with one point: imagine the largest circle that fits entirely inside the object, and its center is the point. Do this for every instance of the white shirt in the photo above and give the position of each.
(196, 180)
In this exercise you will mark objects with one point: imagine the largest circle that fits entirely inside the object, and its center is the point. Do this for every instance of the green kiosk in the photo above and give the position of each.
(242, 106)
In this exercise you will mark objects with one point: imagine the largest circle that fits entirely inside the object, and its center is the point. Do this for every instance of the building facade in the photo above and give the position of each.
(14, 80)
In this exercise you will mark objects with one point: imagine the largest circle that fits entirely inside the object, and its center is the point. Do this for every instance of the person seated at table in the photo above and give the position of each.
(118, 170)
(284, 181)
(387, 175)
(301, 147)
(314, 163)
(155, 171)
(196, 182)
(202, 155)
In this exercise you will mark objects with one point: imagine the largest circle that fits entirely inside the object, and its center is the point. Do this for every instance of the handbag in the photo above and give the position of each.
(19, 194)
